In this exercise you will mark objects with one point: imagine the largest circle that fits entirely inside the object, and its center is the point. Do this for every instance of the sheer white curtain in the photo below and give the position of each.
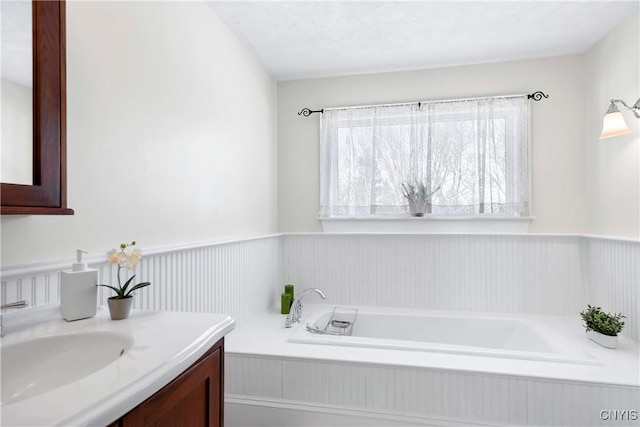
(472, 153)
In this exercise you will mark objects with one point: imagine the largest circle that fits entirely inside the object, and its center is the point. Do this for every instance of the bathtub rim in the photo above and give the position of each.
(301, 336)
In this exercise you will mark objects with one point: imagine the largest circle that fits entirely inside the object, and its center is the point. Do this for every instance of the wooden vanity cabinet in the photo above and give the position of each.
(194, 399)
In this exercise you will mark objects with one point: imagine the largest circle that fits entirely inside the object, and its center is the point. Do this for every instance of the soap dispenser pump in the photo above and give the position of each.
(78, 290)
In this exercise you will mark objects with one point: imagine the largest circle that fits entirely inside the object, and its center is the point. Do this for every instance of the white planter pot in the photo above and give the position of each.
(604, 340)
(419, 208)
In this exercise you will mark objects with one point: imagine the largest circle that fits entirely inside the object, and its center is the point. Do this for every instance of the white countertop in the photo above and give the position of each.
(165, 344)
(266, 336)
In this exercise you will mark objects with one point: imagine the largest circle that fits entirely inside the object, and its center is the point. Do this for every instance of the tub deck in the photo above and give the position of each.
(266, 336)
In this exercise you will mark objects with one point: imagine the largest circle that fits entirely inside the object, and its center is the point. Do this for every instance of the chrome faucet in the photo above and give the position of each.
(17, 304)
(295, 313)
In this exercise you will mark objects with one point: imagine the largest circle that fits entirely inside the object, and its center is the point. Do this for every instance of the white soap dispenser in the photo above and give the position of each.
(78, 291)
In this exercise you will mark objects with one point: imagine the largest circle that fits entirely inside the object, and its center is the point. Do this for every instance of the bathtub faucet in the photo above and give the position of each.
(295, 314)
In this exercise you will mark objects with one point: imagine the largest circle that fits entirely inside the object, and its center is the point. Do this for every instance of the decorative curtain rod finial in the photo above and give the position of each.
(537, 96)
(307, 112)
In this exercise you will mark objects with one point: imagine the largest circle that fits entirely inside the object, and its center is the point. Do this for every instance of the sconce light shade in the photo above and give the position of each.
(613, 123)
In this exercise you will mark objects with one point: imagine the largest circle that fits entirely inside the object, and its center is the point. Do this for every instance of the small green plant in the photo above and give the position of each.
(417, 192)
(605, 323)
(128, 258)
(418, 196)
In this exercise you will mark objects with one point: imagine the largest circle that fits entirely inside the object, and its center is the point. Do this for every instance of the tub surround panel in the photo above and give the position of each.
(254, 376)
(249, 411)
(490, 273)
(426, 392)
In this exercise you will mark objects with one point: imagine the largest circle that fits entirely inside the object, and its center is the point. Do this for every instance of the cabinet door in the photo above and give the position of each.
(191, 400)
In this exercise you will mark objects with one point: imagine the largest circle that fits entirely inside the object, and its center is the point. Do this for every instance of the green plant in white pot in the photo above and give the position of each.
(601, 327)
(127, 257)
(418, 196)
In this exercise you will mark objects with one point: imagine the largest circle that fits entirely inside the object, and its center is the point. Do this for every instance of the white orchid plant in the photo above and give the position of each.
(127, 257)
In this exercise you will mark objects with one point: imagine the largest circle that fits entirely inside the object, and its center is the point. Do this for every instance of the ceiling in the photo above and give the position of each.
(307, 39)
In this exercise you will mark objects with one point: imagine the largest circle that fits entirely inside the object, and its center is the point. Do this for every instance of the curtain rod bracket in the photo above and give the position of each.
(307, 112)
(537, 96)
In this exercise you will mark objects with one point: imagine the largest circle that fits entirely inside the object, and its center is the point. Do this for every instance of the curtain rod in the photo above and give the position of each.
(536, 96)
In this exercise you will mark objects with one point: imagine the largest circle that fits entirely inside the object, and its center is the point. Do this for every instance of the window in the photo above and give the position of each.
(472, 155)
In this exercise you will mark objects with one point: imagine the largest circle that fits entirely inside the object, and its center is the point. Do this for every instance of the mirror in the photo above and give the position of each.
(17, 93)
(46, 191)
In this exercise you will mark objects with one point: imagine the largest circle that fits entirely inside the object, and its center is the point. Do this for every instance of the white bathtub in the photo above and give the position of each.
(481, 335)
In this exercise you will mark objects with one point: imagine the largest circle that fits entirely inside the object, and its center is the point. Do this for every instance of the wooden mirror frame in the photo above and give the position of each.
(48, 193)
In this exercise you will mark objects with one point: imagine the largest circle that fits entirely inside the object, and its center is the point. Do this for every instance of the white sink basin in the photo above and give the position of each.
(59, 373)
(36, 366)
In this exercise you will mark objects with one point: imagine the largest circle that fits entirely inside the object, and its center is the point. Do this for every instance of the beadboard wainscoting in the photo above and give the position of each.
(613, 270)
(238, 278)
(533, 274)
(530, 273)
(448, 396)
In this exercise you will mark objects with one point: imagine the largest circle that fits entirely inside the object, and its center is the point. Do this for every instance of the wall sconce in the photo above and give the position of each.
(613, 122)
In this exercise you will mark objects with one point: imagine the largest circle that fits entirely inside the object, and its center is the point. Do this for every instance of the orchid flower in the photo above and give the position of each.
(129, 258)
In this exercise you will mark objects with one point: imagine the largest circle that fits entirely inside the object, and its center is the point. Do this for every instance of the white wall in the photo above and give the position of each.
(613, 164)
(159, 95)
(557, 127)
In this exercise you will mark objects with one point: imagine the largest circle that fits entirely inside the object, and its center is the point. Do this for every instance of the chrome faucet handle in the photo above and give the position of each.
(295, 313)
(17, 304)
